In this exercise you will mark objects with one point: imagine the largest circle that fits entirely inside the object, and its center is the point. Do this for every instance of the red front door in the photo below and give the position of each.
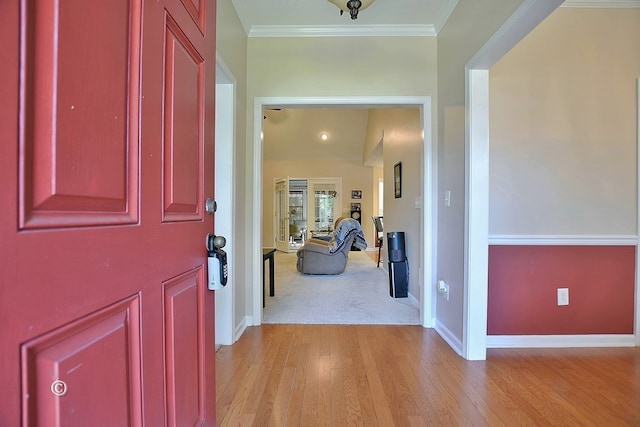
(106, 159)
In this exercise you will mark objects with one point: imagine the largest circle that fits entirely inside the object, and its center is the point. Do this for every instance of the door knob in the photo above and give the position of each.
(215, 242)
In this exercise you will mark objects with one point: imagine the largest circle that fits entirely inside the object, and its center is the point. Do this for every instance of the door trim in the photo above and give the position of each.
(636, 329)
(476, 230)
(224, 219)
(426, 276)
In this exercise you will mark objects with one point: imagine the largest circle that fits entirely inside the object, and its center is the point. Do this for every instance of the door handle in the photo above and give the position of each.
(218, 270)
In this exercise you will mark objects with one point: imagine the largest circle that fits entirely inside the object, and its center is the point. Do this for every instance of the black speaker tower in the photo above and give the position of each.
(398, 265)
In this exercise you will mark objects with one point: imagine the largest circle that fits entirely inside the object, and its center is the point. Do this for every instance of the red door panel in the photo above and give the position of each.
(68, 363)
(184, 348)
(183, 126)
(106, 159)
(79, 112)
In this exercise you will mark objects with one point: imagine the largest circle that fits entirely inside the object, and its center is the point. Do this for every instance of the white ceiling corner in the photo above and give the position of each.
(320, 18)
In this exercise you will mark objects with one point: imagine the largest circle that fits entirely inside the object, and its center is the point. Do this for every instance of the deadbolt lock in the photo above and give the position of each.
(210, 206)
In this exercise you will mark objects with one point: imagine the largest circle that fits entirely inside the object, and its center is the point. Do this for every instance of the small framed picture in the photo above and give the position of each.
(397, 180)
(355, 206)
(356, 194)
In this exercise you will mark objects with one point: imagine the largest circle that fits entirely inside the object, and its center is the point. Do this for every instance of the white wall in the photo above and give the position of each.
(232, 48)
(563, 127)
(469, 27)
(341, 66)
(402, 143)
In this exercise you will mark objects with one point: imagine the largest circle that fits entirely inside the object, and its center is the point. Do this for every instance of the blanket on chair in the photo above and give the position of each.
(345, 227)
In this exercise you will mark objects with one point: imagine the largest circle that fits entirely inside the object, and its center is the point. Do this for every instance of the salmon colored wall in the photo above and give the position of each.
(523, 282)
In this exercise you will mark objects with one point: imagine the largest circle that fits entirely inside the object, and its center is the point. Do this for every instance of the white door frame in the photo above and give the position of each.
(476, 233)
(429, 186)
(224, 219)
(636, 312)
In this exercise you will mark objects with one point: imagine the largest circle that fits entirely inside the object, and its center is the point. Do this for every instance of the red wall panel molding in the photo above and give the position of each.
(523, 283)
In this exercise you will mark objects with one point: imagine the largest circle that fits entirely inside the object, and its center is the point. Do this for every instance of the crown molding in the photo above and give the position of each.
(444, 17)
(600, 4)
(342, 31)
(241, 12)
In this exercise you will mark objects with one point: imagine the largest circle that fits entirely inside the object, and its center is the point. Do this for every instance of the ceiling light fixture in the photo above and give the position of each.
(352, 6)
(324, 136)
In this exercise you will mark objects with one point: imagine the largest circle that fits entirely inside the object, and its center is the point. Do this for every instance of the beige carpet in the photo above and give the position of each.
(360, 295)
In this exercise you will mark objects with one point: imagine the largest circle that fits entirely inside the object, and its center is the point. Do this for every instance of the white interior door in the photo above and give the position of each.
(281, 204)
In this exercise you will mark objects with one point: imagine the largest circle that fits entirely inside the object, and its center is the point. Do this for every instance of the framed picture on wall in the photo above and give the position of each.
(397, 180)
(356, 194)
(355, 206)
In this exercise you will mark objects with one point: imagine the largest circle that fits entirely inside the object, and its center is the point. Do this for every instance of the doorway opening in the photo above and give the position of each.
(428, 218)
(304, 208)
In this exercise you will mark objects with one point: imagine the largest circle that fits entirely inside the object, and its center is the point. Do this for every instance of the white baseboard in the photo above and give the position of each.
(560, 341)
(241, 327)
(449, 337)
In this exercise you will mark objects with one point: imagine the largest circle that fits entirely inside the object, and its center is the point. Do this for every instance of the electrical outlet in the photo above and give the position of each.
(563, 296)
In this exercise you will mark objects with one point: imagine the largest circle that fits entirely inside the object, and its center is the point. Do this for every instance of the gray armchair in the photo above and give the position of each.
(322, 257)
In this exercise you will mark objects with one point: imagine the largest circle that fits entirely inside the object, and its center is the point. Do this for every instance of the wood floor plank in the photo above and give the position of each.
(322, 409)
(335, 375)
(273, 368)
(236, 410)
(280, 412)
(298, 386)
(373, 382)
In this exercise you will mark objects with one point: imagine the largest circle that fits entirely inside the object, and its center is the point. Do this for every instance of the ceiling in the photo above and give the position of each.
(316, 18)
(295, 134)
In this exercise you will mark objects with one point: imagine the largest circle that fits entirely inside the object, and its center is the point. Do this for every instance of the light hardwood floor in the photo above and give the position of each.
(334, 375)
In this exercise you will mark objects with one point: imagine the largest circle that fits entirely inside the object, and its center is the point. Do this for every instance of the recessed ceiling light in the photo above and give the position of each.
(324, 136)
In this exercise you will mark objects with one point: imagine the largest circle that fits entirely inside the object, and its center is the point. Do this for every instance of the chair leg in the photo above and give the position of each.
(379, 249)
